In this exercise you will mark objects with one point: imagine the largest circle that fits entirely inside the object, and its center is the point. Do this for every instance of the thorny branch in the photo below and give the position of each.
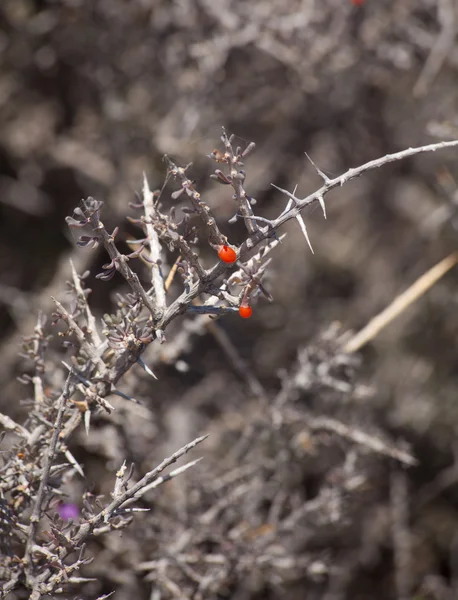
(38, 505)
(142, 316)
(293, 210)
(155, 247)
(105, 515)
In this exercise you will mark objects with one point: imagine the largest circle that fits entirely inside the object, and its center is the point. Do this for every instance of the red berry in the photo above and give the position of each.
(227, 254)
(357, 2)
(245, 312)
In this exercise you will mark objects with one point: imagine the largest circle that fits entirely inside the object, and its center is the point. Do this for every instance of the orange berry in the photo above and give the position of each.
(227, 254)
(245, 312)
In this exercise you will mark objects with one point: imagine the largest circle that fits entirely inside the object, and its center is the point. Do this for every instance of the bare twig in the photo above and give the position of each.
(361, 437)
(201, 208)
(237, 179)
(86, 346)
(91, 212)
(298, 206)
(155, 247)
(172, 273)
(92, 327)
(401, 303)
(45, 582)
(441, 48)
(287, 429)
(38, 504)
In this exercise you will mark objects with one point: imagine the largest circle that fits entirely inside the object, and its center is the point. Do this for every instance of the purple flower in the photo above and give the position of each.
(68, 511)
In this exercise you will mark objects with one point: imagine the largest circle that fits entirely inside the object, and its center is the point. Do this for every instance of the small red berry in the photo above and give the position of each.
(357, 2)
(245, 312)
(227, 254)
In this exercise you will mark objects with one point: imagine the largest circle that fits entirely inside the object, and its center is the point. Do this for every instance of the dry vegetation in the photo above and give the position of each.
(327, 474)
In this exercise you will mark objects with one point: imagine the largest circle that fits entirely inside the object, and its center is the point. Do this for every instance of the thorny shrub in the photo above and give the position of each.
(247, 526)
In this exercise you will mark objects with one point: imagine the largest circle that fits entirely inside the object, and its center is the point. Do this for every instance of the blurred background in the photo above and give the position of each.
(93, 94)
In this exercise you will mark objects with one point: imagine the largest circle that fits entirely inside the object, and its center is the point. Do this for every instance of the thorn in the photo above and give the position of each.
(74, 273)
(289, 194)
(300, 220)
(287, 208)
(106, 596)
(87, 421)
(276, 237)
(255, 218)
(323, 176)
(125, 396)
(106, 405)
(77, 374)
(147, 195)
(141, 362)
(291, 202)
(322, 204)
(72, 460)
